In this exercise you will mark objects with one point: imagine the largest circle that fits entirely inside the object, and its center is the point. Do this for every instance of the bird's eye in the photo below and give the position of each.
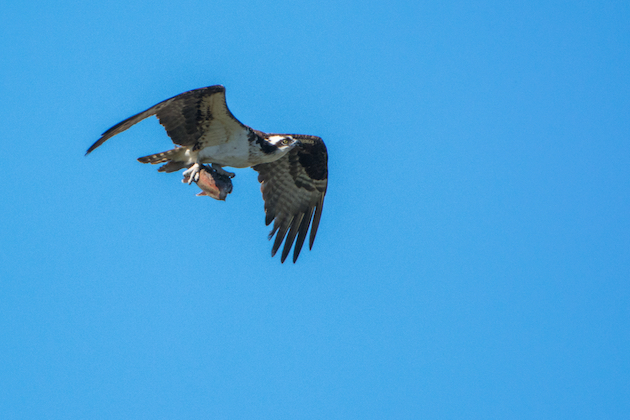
(286, 142)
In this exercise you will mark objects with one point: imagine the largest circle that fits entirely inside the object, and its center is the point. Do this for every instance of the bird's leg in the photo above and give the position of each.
(222, 171)
(192, 173)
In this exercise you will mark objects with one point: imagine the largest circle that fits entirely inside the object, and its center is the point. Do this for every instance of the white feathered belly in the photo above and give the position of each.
(234, 153)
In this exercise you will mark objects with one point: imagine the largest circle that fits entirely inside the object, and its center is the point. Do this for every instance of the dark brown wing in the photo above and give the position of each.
(199, 115)
(293, 188)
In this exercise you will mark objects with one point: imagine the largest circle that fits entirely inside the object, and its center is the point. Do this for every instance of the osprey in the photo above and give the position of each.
(292, 168)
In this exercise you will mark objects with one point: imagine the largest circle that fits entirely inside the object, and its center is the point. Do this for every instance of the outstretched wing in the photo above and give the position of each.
(197, 116)
(293, 188)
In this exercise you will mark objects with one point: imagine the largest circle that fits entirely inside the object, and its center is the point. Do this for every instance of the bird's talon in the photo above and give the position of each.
(192, 173)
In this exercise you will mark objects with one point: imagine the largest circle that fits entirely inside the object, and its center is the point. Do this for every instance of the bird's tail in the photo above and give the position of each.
(161, 157)
(175, 159)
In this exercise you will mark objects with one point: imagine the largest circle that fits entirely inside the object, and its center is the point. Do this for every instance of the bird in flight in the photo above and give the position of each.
(292, 168)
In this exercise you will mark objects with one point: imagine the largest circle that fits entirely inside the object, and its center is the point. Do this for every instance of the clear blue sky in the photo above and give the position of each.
(473, 259)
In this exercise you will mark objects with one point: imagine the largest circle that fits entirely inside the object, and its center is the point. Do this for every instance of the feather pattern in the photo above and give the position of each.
(199, 115)
(293, 189)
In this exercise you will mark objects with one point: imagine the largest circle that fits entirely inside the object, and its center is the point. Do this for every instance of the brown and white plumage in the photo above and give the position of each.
(293, 168)
(293, 188)
(190, 117)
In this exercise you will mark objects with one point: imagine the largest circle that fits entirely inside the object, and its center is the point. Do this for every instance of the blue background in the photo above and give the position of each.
(473, 259)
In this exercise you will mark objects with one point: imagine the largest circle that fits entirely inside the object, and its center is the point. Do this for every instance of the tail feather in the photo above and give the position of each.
(175, 159)
(172, 154)
(173, 166)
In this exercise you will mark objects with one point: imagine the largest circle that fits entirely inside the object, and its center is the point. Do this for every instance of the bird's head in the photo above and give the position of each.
(271, 147)
(283, 142)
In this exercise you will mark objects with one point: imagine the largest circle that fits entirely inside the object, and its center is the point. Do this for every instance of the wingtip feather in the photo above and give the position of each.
(316, 219)
(288, 243)
(281, 233)
(303, 230)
